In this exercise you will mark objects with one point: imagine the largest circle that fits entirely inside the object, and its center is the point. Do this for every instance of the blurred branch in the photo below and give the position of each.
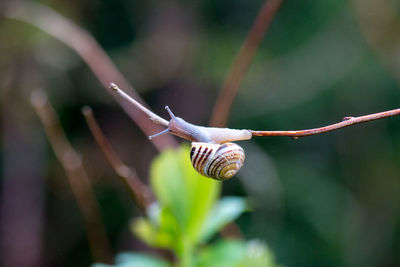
(242, 62)
(77, 177)
(381, 30)
(232, 230)
(22, 187)
(90, 51)
(140, 192)
(347, 121)
(380, 25)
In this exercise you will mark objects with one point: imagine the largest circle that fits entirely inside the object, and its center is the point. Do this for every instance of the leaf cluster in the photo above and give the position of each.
(187, 214)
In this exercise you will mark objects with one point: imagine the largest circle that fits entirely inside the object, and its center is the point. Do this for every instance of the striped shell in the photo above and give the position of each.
(217, 161)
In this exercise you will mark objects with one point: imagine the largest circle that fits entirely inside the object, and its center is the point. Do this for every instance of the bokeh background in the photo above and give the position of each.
(326, 200)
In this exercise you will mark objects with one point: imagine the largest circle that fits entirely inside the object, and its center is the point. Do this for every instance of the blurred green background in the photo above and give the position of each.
(326, 200)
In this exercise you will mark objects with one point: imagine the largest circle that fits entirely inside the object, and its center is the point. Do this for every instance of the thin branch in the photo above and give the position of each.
(77, 177)
(347, 121)
(139, 191)
(242, 63)
(91, 52)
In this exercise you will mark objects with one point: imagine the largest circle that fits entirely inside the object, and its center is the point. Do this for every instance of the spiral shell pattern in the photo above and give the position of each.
(217, 161)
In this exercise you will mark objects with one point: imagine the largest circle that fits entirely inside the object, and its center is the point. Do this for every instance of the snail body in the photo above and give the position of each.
(212, 154)
(179, 127)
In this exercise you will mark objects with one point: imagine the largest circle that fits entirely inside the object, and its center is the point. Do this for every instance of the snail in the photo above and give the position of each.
(212, 153)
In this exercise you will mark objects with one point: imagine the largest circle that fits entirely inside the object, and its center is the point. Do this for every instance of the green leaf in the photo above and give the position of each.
(139, 260)
(160, 231)
(145, 230)
(225, 211)
(135, 260)
(258, 254)
(223, 253)
(236, 253)
(185, 193)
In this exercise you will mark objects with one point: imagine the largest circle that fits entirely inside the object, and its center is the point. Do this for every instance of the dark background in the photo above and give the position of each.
(326, 200)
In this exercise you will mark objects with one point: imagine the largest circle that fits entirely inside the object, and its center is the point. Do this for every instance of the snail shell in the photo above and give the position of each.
(217, 161)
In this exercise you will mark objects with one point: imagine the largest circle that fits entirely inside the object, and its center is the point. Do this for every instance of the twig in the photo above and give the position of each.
(140, 192)
(347, 121)
(91, 52)
(242, 62)
(77, 177)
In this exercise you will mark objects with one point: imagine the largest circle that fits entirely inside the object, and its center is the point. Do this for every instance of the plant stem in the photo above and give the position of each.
(186, 256)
